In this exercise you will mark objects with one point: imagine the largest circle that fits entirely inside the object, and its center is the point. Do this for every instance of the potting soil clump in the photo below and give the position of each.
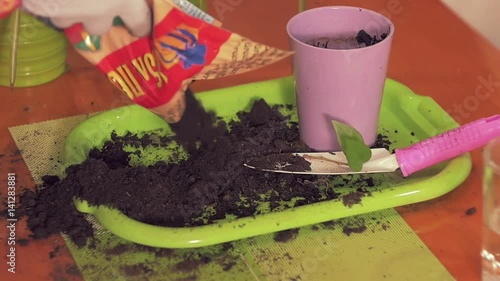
(200, 189)
(361, 40)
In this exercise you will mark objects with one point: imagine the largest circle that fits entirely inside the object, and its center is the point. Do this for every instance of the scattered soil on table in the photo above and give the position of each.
(228, 264)
(329, 225)
(121, 249)
(50, 210)
(117, 250)
(54, 252)
(185, 262)
(385, 226)
(354, 226)
(190, 265)
(163, 252)
(72, 270)
(65, 272)
(470, 211)
(136, 270)
(206, 187)
(23, 242)
(286, 235)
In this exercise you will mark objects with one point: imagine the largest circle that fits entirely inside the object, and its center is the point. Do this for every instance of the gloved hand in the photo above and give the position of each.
(96, 15)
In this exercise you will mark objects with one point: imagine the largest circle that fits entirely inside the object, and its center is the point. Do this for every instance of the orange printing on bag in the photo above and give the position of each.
(182, 48)
(7, 6)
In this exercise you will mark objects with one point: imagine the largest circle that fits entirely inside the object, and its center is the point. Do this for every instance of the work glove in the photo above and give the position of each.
(97, 16)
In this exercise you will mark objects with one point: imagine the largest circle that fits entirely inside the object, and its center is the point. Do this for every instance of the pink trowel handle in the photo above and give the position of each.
(448, 145)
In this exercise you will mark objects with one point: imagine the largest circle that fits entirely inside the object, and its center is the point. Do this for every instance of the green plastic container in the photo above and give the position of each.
(414, 118)
(42, 52)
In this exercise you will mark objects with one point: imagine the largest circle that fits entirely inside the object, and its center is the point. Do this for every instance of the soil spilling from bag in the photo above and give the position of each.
(198, 190)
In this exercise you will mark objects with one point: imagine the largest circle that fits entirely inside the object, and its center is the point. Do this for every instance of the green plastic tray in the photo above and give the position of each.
(414, 117)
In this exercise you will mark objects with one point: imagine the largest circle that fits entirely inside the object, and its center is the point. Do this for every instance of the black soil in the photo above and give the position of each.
(23, 242)
(360, 40)
(50, 210)
(355, 226)
(382, 142)
(286, 235)
(135, 270)
(179, 194)
(364, 38)
(470, 211)
(353, 198)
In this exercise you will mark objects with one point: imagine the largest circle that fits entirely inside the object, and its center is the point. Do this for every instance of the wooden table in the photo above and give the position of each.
(433, 53)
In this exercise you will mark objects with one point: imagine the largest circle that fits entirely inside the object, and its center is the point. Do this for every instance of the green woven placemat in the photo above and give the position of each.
(386, 250)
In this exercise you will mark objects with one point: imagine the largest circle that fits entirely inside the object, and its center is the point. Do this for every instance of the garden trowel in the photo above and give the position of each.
(411, 159)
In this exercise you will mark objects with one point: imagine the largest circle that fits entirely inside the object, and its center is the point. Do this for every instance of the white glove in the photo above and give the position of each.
(95, 15)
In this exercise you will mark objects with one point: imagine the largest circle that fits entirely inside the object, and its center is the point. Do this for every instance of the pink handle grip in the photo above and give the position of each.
(448, 145)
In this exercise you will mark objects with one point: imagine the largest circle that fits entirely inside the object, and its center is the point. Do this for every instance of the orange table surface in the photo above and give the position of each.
(433, 53)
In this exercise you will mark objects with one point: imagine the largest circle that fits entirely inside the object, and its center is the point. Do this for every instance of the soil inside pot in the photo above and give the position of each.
(360, 40)
(207, 186)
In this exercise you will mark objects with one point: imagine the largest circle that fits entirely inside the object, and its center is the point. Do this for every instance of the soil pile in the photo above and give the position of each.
(208, 185)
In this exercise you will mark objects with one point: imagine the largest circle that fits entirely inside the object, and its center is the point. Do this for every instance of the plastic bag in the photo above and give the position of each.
(7, 6)
(155, 71)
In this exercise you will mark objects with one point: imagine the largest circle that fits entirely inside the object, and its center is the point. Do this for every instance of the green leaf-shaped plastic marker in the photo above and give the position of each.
(353, 145)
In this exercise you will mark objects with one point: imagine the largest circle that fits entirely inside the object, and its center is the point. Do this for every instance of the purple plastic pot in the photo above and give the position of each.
(338, 84)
